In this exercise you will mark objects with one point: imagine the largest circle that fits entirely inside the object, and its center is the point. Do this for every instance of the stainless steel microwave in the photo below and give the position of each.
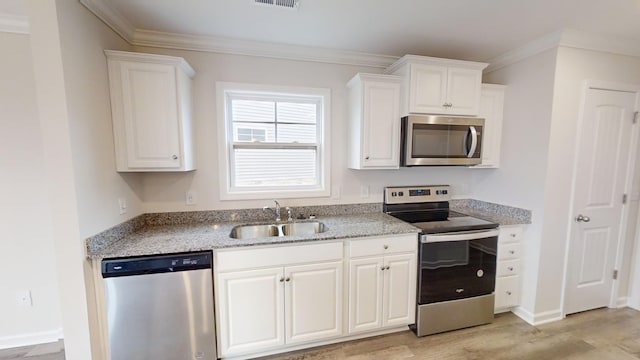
(441, 140)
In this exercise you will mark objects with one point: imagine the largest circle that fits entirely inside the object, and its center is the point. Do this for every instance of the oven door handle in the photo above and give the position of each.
(458, 236)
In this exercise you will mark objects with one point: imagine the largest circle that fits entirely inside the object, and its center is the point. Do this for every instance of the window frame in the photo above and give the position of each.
(227, 143)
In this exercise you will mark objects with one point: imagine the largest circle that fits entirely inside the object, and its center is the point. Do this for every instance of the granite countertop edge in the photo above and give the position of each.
(180, 238)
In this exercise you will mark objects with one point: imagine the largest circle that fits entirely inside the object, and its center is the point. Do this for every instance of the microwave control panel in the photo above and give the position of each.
(416, 194)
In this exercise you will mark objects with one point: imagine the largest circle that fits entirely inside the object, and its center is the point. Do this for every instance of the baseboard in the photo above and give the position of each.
(31, 339)
(538, 318)
(622, 302)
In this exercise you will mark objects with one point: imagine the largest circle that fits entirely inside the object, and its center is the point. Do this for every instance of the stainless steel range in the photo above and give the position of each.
(456, 259)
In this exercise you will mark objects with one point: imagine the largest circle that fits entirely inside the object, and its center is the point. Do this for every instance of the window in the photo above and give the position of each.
(273, 141)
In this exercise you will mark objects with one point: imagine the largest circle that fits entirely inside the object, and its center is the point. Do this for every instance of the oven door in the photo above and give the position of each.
(438, 140)
(457, 265)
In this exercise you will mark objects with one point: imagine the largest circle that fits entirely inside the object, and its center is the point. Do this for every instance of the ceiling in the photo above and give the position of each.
(464, 29)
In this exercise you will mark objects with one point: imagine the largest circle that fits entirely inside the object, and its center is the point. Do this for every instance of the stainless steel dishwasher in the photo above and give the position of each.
(160, 307)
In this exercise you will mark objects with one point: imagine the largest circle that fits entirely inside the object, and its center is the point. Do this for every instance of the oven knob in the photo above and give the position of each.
(394, 194)
(437, 192)
(445, 192)
(401, 193)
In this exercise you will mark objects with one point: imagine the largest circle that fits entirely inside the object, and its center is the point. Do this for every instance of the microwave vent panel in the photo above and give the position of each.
(288, 4)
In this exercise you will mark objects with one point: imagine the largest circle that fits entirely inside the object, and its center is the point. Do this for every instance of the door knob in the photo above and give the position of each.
(582, 218)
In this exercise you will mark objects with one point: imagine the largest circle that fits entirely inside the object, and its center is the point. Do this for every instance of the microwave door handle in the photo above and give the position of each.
(474, 141)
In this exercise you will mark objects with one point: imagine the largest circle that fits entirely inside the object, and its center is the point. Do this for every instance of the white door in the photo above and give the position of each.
(428, 89)
(250, 310)
(381, 128)
(365, 294)
(399, 299)
(150, 114)
(463, 91)
(604, 147)
(313, 302)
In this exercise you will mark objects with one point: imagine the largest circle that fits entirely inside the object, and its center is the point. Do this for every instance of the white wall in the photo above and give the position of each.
(25, 222)
(165, 192)
(523, 164)
(574, 66)
(73, 104)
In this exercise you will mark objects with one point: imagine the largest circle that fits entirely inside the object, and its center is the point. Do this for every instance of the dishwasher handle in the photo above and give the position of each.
(145, 265)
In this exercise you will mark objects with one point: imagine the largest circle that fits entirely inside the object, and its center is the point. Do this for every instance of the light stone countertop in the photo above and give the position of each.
(166, 239)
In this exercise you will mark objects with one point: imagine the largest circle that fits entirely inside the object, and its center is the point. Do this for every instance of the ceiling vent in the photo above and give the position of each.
(288, 4)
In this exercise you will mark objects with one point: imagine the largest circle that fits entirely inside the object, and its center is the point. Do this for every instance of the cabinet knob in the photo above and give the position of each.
(386, 247)
(287, 279)
(510, 268)
(512, 252)
(281, 279)
(508, 292)
(175, 157)
(382, 268)
(366, 158)
(387, 268)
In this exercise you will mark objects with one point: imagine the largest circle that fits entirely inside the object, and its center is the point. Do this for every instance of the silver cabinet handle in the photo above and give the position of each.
(459, 291)
(582, 218)
(175, 157)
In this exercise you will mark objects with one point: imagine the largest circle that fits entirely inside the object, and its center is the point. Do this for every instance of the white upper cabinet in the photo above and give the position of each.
(151, 111)
(438, 86)
(491, 109)
(374, 121)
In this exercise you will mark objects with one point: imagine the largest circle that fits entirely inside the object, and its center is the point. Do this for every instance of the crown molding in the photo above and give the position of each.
(112, 17)
(532, 48)
(116, 21)
(567, 38)
(14, 23)
(257, 48)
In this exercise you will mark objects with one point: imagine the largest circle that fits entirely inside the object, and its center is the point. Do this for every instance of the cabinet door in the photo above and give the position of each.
(313, 302)
(250, 310)
(491, 108)
(365, 294)
(428, 89)
(463, 91)
(399, 299)
(150, 115)
(507, 292)
(381, 125)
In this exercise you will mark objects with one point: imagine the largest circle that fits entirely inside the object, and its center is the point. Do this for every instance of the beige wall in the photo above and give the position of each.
(26, 240)
(523, 164)
(574, 67)
(166, 192)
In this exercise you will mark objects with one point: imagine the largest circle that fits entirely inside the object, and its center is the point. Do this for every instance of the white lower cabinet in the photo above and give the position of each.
(507, 293)
(264, 309)
(382, 289)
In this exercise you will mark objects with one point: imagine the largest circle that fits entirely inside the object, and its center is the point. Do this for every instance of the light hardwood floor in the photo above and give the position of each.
(603, 334)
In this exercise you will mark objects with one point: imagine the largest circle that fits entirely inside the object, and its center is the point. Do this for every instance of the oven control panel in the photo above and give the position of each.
(416, 194)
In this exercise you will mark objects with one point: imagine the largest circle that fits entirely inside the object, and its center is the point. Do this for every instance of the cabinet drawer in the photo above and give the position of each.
(507, 292)
(510, 234)
(384, 245)
(509, 251)
(238, 259)
(508, 268)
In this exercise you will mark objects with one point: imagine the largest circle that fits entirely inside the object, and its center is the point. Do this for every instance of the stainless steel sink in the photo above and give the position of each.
(269, 230)
(254, 231)
(303, 228)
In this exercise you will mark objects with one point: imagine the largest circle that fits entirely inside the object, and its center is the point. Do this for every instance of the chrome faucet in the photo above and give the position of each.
(276, 211)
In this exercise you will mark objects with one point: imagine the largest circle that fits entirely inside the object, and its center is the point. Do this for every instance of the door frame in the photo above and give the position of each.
(587, 85)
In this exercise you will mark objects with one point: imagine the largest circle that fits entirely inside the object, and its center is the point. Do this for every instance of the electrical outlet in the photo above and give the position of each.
(335, 192)
(122, 205)
(23, 298)
(190, 197)
(364, 191)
